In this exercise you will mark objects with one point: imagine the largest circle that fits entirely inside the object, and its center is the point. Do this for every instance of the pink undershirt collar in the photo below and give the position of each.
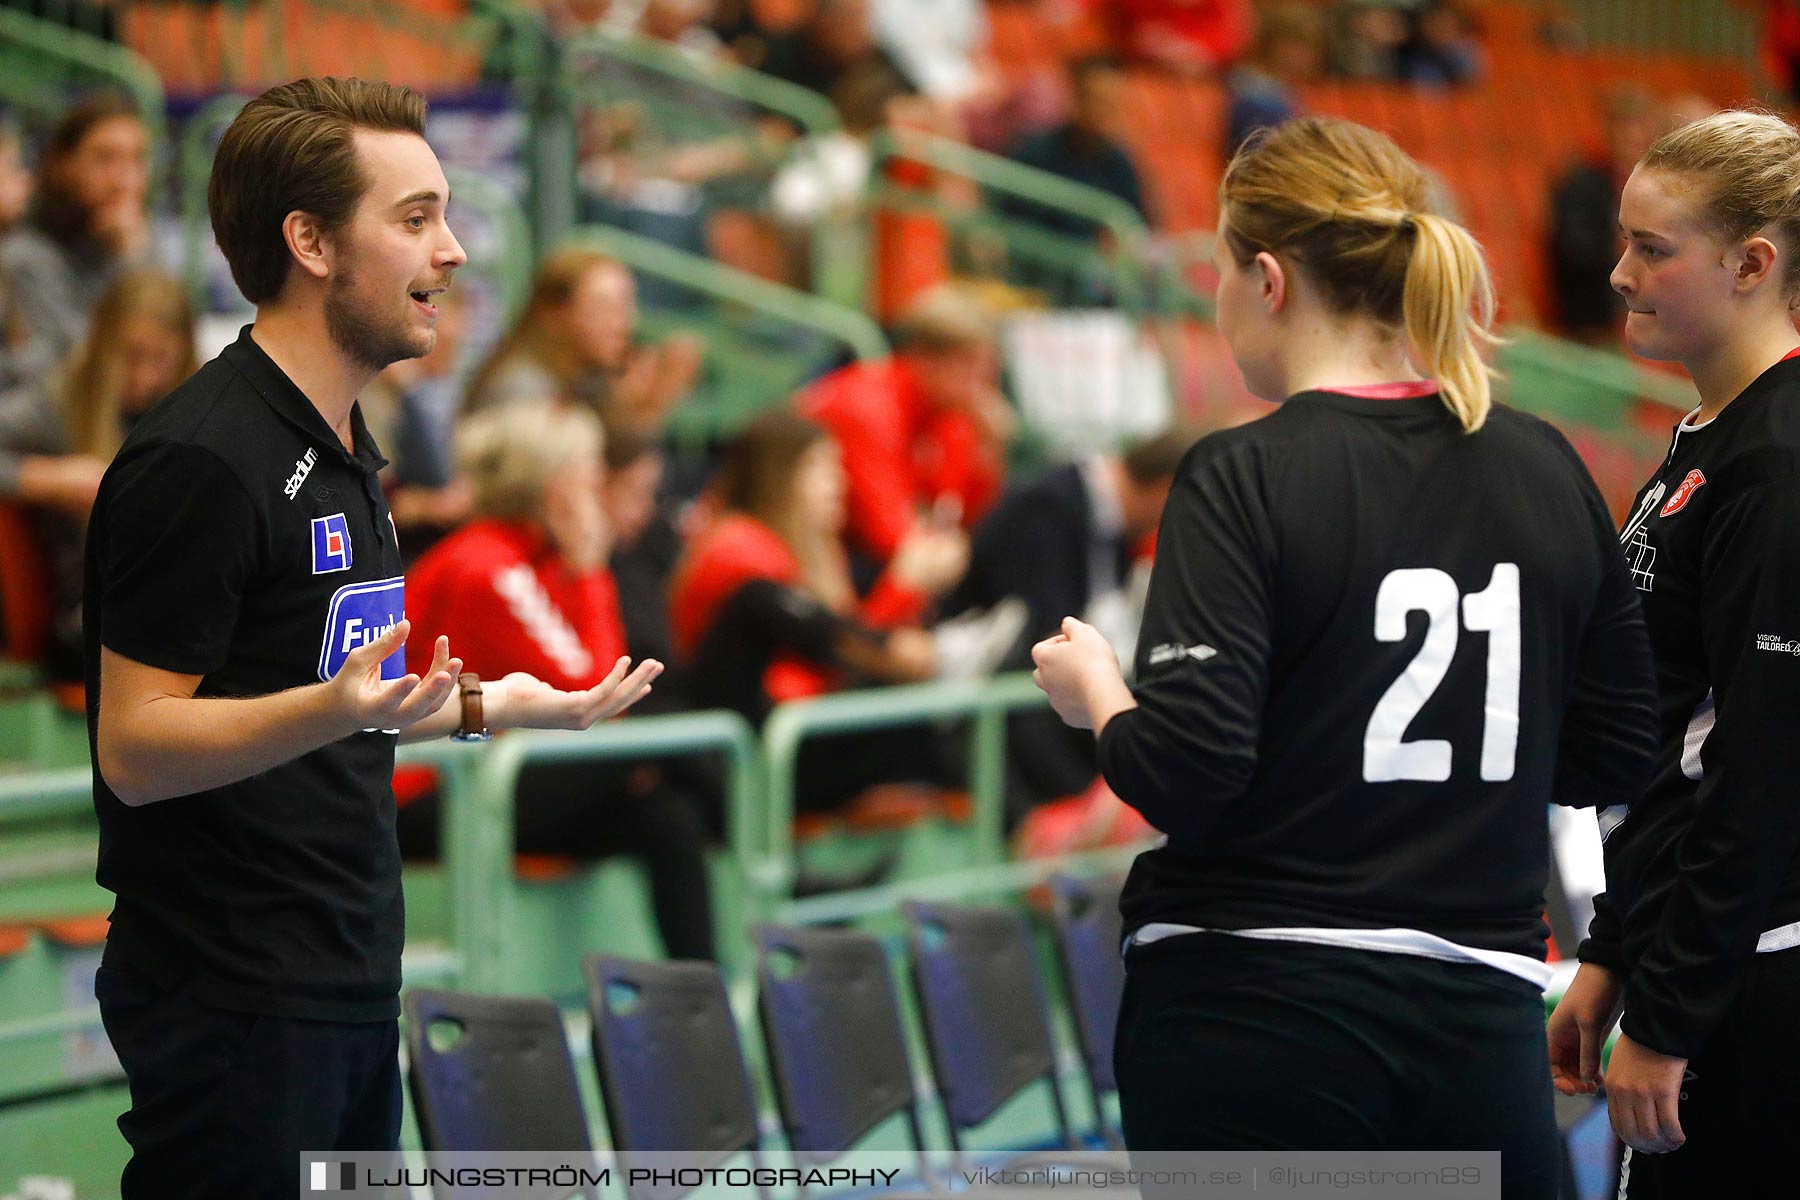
(1405, 389)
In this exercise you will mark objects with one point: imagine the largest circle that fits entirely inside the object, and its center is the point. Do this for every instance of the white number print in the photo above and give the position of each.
(1494, 610)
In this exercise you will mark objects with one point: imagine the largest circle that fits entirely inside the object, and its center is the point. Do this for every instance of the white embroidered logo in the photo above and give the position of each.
(1776, 644)
(531, 605)
(302, 469)
(1170, 651)
(1637, 540)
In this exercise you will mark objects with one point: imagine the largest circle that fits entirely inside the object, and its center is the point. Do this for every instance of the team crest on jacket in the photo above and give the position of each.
(1695, 479)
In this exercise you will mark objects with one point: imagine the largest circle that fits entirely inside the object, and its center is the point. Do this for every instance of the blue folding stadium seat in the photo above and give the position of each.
(1085, 914)
(671, 1067)
(837, 1048)
(493, 1073)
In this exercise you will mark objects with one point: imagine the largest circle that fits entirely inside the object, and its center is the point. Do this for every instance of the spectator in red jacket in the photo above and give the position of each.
(763, 609)
(525, 587)
(922, 433)
(1192, 37)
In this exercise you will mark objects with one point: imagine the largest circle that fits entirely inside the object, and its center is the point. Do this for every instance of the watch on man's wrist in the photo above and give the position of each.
(474, 723)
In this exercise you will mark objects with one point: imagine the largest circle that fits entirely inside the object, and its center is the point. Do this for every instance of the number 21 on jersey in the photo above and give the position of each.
(1494, 610)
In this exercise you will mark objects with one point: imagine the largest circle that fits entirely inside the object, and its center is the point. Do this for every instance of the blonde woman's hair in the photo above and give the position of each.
(1353, 211)
(1744, 167)
(507, 454)
(93, 377)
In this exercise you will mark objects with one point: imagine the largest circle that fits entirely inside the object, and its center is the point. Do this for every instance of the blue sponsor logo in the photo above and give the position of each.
(331, 544)
(360, 613)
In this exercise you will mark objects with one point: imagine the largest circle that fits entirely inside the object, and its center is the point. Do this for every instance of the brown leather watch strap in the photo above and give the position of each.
(474, 723)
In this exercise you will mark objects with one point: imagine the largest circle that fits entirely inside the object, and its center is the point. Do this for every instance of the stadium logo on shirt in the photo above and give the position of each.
(1683, 494)
(330, 544)
(359, 614)
(302, 469)
(1170, 651)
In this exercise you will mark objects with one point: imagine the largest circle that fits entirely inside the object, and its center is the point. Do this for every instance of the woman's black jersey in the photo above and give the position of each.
(1375, 647)
(1703, 867)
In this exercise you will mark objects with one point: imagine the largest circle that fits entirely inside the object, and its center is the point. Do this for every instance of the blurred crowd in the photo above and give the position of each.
(870, 528)
(867, 531)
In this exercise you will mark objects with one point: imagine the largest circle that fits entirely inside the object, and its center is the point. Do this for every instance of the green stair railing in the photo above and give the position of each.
(750, 324)
(42, 65)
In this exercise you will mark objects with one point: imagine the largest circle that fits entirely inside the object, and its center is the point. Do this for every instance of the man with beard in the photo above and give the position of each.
(246, 672)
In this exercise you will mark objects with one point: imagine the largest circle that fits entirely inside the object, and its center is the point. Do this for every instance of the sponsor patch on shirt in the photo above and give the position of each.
(1170, 651)
(331, 544)
(1774, 643)
(360, 613)
(1694, 481)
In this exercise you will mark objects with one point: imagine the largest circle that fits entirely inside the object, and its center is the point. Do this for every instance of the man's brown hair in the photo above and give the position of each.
(292, 149)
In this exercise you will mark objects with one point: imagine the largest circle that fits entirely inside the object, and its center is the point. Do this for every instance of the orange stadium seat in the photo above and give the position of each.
(75, 933)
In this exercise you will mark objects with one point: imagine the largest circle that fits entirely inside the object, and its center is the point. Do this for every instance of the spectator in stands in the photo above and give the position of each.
(763, 609)
(1198, 38)
(923, 433)
(1366, 40)
(1067, 542)
(575, 342)
(679, 179)
(1289, 50)
(525, 587)
(835, 54)
(739, 25)
(1441, 49)
(411, 410)
(1086, 148)
(86, 223)
(646, 543)
(1584, 211)
(59, 431)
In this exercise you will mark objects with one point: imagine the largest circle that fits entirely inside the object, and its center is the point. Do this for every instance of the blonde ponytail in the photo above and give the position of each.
(1448, 310)
(1353, 210)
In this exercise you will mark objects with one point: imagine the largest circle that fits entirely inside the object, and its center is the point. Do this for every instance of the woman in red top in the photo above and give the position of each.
(763, 610)
(525, 587)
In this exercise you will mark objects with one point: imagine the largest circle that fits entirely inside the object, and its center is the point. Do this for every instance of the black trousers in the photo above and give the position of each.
(1740, 1105)
(223, 1103)
(1227, 1043)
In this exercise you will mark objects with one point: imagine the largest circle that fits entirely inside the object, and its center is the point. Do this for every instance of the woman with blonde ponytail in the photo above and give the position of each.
(1388, 624)
(1695, 936)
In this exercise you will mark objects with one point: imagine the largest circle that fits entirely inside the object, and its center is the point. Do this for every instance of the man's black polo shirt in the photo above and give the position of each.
(234, 538)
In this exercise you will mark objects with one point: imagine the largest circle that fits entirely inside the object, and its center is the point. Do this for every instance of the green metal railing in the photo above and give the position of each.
(985, 702)
(1572, 382)
(677, 98)
(748, 367)
(479, 834)
(1124, 265)
(584, 73)
(477, 785)
(41, 63)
